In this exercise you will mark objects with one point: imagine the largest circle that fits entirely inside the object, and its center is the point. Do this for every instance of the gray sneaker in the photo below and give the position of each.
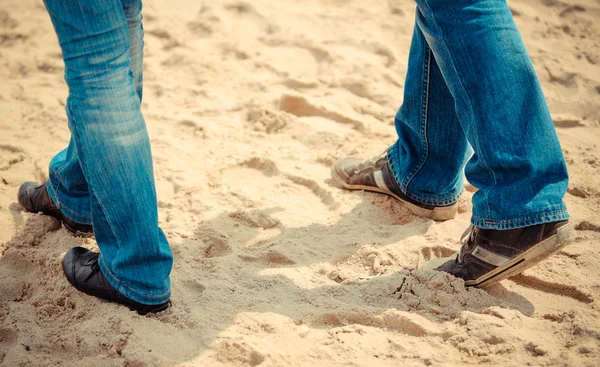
(376, 175)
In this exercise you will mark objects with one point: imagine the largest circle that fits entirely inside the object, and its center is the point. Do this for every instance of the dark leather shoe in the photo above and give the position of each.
(488, 255)
(376, 175)
(35, 199)
(80, 265)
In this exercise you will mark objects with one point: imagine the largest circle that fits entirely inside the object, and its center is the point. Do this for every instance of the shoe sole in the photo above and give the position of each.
(441, 213)
(541, 251)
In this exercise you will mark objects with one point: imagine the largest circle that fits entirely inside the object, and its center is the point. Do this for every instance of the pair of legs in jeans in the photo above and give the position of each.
(469, 81)
(105, 177)
(471, 87)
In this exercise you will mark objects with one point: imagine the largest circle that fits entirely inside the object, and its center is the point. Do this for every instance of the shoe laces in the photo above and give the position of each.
(464, 239)
(93, 262)
(466, 236)
(370, 162)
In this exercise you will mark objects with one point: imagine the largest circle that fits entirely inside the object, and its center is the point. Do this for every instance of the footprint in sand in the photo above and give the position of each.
(301, 107)
(269, 168)
(300, 62)
(193, 286)
(215, 244)
(324, 195)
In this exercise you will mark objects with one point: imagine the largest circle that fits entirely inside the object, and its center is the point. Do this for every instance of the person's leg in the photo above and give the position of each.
(424, 168)
(67, 186)
(518, 165)
(519, 217)
(112, 144)
(428, 158)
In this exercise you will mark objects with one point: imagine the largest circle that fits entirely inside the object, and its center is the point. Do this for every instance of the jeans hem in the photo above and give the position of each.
(67, 212)
(435, 201)
(137, 296)
(432, 200)
(535, 219)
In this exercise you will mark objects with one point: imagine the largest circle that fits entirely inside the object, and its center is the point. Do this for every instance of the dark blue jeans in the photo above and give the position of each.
(105, 176)
(470, 87)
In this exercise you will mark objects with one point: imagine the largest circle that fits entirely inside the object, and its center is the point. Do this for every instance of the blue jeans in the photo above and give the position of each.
(105, 176)
(470, 87)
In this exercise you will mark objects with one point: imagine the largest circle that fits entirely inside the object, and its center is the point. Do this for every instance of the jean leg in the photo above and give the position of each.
(67, 186)
(113, 146)
(429, 156)
(518, 165)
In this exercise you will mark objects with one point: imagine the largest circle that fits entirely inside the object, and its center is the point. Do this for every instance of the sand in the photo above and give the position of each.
(247, 105)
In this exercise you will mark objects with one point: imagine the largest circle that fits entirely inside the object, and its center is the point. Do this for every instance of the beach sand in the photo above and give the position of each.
(248, 103)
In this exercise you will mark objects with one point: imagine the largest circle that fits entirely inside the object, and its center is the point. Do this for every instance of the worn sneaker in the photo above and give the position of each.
(35, 199)
(488, 256)
(376, 175)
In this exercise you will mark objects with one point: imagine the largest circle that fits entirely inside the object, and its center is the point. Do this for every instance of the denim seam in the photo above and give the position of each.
(107, 272)
(554, 215)
(531, 216)
(424, 113)
(61, 206)
(428, 201)
(470, 105)
(391, 161)
(439, 201)
(82, 170)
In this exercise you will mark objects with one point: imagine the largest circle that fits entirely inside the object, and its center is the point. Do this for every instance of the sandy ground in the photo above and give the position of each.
(248, 104)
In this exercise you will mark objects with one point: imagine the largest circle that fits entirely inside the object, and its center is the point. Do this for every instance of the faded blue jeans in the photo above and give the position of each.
(470, 87)
(105, 176)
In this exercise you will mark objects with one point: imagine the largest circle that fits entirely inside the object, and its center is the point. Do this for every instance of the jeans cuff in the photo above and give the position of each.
(135, 295)
(429, 200)
(68, 212)
(532, 220)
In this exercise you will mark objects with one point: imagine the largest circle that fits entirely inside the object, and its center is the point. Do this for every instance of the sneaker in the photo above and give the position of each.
(376, 175)
(35, 199)
(81, 268)
(488, 256)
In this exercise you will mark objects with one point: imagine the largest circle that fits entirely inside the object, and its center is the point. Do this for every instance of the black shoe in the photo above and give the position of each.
(35, 199)
(80, 265)
(488, 256)
(376, 175)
